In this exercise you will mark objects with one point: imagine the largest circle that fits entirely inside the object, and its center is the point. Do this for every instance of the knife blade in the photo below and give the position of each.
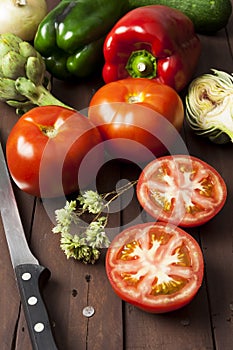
(28, 271)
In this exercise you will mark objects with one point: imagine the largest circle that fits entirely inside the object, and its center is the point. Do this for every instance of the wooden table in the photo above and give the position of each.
(206, 323)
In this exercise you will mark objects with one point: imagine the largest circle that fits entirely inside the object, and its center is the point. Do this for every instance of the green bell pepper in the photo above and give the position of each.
(70, 38)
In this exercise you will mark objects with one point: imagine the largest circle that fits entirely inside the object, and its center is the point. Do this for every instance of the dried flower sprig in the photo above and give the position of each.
(87, 240)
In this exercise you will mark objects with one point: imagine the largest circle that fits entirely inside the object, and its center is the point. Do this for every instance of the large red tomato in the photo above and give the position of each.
(45, 149)
(139, 118)
(157, 267)
(182, 190)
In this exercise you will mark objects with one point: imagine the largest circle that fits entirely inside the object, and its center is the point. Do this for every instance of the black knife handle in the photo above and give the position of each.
(30, 278)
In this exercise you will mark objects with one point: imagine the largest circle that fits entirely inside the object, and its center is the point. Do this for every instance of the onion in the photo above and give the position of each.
(21, 17)
(209, 106)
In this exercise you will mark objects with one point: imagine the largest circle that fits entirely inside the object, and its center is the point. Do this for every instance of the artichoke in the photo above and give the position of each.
(23, 80)
(209, 106)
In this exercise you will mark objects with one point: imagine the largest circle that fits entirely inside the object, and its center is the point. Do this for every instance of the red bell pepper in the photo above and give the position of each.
(155, 42)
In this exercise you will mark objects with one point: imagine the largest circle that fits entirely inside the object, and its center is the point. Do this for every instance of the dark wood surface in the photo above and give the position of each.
(206, 323)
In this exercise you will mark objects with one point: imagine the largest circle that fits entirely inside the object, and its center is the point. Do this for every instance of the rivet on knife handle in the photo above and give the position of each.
(30, 277)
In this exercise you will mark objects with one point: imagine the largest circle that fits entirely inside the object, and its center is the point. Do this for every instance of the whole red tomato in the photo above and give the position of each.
(46, 148)
(182, 190)
(139, 118)
(157, 267)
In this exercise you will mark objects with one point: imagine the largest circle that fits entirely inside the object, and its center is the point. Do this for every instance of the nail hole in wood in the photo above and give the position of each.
(74, 293)
(88, 278)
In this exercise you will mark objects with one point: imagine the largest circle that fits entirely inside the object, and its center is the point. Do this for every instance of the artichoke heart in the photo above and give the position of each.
(209, 106)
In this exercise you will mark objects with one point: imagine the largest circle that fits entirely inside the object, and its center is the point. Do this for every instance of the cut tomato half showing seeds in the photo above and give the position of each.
(182, 190)
(157, 267)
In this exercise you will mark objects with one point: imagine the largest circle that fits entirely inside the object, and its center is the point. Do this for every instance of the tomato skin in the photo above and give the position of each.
(181, 189)
(45, 149)
(141, 118)
(131, 254)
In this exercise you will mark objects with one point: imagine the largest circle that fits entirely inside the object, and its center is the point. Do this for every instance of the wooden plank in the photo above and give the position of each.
(74, 286)
(182, 329)
(77, 94)
(216, 241)
(216, 236)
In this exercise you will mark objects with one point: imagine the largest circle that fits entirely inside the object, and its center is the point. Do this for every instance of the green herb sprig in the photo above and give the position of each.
(86, 243)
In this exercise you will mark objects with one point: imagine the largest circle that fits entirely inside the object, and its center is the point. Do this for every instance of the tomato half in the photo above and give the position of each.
(157, 267)
(181, 189)
(46, 148)
(139, 118)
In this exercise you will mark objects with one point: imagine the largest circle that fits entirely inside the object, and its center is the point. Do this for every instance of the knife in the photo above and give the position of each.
(29, 273)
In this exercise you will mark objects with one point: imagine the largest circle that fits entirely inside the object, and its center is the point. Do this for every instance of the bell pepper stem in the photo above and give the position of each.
(142, 64)
(38, 95)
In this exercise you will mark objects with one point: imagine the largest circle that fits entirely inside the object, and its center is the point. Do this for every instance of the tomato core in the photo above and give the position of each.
(49, 131)
(134, 98)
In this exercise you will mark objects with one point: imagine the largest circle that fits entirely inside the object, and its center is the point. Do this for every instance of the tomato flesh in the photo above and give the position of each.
(157, 267)
(182, 190)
